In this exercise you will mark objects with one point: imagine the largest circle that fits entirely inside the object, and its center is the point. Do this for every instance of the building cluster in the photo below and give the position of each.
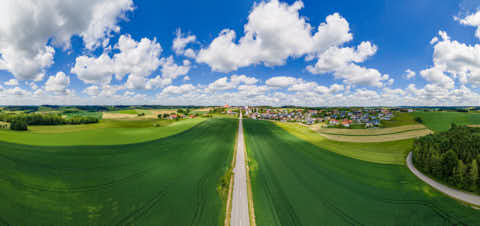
(365, 117)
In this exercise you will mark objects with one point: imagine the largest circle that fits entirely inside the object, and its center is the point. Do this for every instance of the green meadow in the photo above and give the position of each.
(295, 182)
(107, 132)
(169, 181)
(441, 121)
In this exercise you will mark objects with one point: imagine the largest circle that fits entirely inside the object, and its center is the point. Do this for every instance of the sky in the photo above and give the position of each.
(273, 52)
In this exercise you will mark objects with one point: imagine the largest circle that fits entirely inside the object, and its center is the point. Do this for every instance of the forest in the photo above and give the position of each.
(452, 157)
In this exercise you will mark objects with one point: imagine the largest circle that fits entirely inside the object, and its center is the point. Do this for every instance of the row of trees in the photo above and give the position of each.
(451, 157)
(46, 119)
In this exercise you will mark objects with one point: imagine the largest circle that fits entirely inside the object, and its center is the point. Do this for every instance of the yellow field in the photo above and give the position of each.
(367, 132)
(378, 138)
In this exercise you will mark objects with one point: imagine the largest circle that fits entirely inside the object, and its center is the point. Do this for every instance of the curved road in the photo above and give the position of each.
(240, 215)
(454, 193)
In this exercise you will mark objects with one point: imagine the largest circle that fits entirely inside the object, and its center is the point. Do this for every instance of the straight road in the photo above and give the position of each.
(454, 193)
(240, 216)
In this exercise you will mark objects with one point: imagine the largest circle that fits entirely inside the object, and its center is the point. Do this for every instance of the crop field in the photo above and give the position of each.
(108, 132)
(393, 152)
(368, 132)
(297, 183)
(373, 135)
(170, 181)
(441, 121)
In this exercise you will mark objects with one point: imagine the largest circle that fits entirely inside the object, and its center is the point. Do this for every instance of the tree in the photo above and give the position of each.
(19, 125)
(473, 175)
(180, 111)
(449, 162)
(458, 174)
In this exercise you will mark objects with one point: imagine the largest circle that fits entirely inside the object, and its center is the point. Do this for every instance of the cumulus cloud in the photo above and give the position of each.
(457, 59)
(472, 20)
(177, 90)
(26, 28)
(181, 41)
(57, 83)
(409, 74)
(135, 59)
(92, 90)
(342, 63)
(281, 81)
(275, 31)
(11, 82)
(235, 80)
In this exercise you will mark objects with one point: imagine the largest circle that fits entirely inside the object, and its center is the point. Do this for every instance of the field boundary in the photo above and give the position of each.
(463, 196)
(373, 135)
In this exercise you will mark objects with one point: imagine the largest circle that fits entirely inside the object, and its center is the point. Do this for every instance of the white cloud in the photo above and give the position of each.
(186, 78)
(409, 74)
(342, 63)
(92, 90)
(281, 81)
(94, 70)
(58, 83)
(472, 20)
(275, 31)
(177, 90)
(436, 76)
(26, 27)
(181, 41)
(235, 80)
(135, 59)
(171, 70)
(11, 82)
(460, 60)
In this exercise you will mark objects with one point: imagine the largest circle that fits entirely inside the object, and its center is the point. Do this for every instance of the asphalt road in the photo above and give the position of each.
(454, 193)
(240, 216)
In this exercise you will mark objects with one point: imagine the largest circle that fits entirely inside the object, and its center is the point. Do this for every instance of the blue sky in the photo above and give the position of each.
(362, 60)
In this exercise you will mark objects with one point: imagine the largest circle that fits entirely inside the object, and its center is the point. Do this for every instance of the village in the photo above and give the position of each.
(337, 118)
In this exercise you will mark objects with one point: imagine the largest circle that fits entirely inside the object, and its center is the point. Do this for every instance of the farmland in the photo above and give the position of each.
(441, 121)
(108, 132)
(169, 181)
(297, 183)
(393, 152)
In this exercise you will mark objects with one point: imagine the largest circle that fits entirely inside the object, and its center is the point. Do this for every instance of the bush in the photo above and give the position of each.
(418, 119)
(19, 125)
(141, 114)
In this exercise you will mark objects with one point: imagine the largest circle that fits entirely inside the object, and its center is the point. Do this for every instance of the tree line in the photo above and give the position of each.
(21, 121)
(452, 157)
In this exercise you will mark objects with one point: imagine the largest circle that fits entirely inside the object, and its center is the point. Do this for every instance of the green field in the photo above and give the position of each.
(108, 132)
(393, 152)
(128, 112)
(97, 115)
(171, 181)
(297, 183)
(441, 121)
(400, 119)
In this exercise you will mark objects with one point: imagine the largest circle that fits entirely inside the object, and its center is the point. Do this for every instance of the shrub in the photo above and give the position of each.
(418, 119)
(19, 125)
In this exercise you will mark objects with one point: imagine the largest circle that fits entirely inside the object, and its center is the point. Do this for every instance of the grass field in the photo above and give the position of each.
(297, 183)
(441, 121)
(108, 132)
(171, 181)
(393, 152)
(128, 112)
(97, 115)
(400, 119)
